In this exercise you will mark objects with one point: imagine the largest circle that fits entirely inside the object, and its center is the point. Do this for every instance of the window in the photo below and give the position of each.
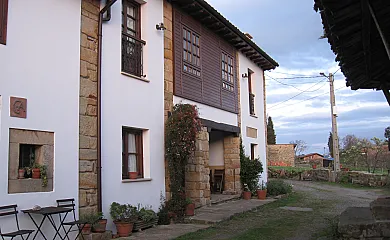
(3, 21)
(132, 45)
(191, 52)
(251, 95)
(27, 155)
(227, 72)
(253, 151)
(132, 153)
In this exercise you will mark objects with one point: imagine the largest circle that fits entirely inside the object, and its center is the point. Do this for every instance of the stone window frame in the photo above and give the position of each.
(44, 155)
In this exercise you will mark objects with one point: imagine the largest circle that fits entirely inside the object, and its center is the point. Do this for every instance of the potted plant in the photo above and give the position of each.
(262, 191)
(89, 220)
(21, 173)
(100, 223)
(28, 173)
(314, 166)
(133, 175)
(190, 207)
(246, 194)
(146, 218)
(36, 171)
(124, 216)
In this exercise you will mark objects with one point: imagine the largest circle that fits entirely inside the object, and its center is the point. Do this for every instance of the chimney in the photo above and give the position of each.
(248, 36)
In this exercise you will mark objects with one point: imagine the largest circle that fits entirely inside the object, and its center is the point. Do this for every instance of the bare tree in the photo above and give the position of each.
(349, 141)
(300, 147)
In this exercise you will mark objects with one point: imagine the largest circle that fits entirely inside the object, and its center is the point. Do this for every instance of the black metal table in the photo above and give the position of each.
(47, 213)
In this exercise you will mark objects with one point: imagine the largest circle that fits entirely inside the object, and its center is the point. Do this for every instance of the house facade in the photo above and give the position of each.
(211, 64)
(89, 100)
(39, 103)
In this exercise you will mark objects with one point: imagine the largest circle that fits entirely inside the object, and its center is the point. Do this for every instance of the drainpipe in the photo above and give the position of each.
(107, 9)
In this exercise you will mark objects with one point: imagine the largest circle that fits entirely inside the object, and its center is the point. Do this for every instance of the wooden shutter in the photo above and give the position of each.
(3, 20)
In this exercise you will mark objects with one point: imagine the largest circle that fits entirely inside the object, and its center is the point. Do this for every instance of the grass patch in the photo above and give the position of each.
(268, 221)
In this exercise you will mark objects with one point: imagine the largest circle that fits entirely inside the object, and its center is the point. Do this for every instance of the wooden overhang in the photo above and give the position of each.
(212, 19)
(211, 125)
(358, 32)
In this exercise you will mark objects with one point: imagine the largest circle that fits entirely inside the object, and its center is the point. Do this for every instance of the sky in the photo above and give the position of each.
(289, 32)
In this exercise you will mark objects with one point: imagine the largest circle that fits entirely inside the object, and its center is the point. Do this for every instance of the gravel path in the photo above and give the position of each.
(338, 198)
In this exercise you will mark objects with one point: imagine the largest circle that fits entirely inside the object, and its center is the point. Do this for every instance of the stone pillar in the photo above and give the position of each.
(231, 148)
(88, 107)
(198, 171)
(168, 75)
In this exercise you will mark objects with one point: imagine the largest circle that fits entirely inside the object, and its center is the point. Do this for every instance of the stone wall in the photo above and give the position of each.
(231, 147)
(88, 106)
(168, 75)
(354, 177)
(280, 155)
(198, 173)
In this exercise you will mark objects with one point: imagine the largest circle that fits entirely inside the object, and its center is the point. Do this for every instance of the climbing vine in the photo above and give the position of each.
(182, 128)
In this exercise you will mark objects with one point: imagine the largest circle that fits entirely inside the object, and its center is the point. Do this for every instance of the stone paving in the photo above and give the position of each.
(225, 211)
(165, 232)
(297, 209)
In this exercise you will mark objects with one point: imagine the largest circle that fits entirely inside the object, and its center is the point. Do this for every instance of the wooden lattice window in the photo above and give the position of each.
(3, 21)
(227, 72)
(191, 52)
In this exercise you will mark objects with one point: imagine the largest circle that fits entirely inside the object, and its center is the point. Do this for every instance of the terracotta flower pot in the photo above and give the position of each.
(87, 229)
(314, 166)
(190, 209)
(21, 173)
(36, 173)
(100, 226)
(247, 195)
(124, 229)
(261, 194)
(133, 175)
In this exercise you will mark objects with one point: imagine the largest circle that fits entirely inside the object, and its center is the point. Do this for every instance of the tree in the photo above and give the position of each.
(350, 140)
(271, 137)
(376, 155)
(330, 144)
(300, 147)
(387, 135)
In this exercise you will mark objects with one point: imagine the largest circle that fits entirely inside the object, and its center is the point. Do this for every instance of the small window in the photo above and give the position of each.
(253, 151)
(227, 72)
(27, 155)
(191, 52)
(132, 153)
(3, 21)
(251, 94)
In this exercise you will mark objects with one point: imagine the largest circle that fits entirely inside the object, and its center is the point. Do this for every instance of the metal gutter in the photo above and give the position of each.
(107, 9)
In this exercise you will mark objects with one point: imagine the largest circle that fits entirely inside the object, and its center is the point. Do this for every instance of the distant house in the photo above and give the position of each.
(311, 159)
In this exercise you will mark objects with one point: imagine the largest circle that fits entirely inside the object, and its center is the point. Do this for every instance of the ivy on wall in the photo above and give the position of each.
(181, 131)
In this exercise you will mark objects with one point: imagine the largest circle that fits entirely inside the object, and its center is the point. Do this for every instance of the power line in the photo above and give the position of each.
(306, 99)
(292, 74)
(289, 85)
(302, 93)
(301, 77)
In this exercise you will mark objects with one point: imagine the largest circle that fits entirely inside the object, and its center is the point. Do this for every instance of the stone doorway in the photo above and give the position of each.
(215, 167)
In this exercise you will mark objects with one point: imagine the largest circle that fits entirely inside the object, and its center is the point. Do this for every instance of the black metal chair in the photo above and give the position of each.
(69, 203)
(8, 211)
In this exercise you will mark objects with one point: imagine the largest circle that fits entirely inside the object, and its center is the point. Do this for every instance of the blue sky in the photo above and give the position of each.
(289, 32)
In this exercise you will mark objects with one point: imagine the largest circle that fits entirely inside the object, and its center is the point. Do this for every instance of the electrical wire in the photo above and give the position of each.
(306, 99)
(303, 92)
(290, 85)
(301, 77)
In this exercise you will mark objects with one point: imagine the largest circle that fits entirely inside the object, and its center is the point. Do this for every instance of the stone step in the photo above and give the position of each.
(98, 236)
(220, 198)
(381, 208)
(359, 223)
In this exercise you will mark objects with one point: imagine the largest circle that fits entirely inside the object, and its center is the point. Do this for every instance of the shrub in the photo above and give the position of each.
(123, 212)
(278, 187)
(163, 212)
(250, 171)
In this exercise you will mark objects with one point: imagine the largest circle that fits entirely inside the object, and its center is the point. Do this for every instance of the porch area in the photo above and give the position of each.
(214, 171)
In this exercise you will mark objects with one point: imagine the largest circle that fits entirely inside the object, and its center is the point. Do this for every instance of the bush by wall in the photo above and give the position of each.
(278, 187)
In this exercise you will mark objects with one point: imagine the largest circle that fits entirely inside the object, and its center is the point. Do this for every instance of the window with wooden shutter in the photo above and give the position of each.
(3, 21)
(132, 153)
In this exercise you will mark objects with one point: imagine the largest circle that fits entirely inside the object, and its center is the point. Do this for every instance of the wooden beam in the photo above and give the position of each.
(220, 126)
(206, 18)
(384, 40)
(387, 95)
(366, 37)
(245, 50)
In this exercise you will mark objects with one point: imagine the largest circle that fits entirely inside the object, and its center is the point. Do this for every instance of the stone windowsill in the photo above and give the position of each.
(136, 180)
(252, 115)
(136, 77)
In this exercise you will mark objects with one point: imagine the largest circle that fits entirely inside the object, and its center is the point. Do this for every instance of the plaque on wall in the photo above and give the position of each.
(18, 107)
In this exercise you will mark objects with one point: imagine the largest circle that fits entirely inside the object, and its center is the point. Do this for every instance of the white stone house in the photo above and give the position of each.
(39, 107)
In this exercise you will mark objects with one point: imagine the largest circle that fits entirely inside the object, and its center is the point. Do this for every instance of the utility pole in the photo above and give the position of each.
(336, 153)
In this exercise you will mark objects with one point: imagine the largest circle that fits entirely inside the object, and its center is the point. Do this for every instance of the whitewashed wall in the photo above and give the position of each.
(210, 113)
(131, 102)
(246, 119)
(216, 149)
(41, 62)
